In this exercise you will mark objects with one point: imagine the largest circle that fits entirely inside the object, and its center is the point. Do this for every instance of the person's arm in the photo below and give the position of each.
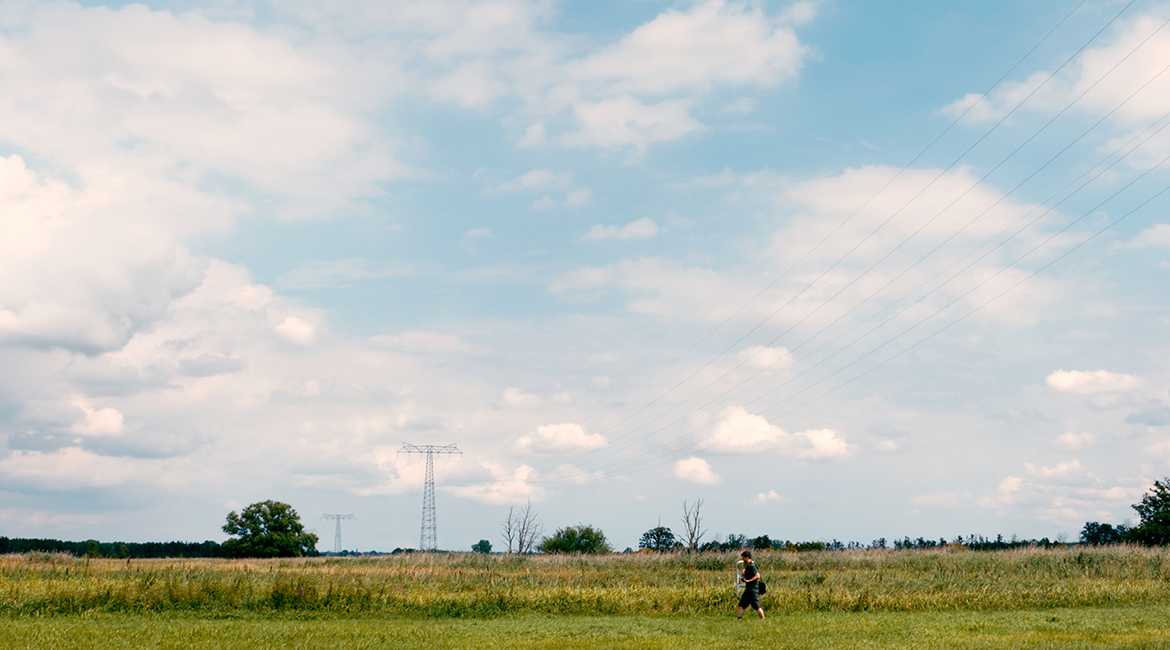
(753, 578)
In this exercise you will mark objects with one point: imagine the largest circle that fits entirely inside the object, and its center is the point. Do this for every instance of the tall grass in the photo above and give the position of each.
(480, 585)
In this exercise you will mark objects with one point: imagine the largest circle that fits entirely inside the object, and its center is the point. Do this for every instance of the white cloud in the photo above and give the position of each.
(640, 229)
(696, 470)
(759, 357)
(71, 468)
(543, 180)
(540, 180)
(626, 121)
(98, 422)
(187, 98)
(740, 432)
(1157, 235)
(81, 269)
(1092, 382)
(1074, 441)
(714, 43)
(842, 250)
(506, 489)
(515, 398)
(1107, 75)
(560, 437)
(769, 497)
(1061, 470)
(887, 445)
(297, 330)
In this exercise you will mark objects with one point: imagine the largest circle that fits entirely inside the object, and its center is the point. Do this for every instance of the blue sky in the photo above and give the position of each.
(622, 254)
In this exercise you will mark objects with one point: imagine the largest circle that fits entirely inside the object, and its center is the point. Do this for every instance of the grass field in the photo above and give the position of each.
(1132, 627)
(951, 598)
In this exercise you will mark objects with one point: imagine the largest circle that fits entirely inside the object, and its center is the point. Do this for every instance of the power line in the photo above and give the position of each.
(841, 259)
(808, 252)
(840, 317)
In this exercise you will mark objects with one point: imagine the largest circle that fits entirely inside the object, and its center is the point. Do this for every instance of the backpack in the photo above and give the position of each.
(763, 587)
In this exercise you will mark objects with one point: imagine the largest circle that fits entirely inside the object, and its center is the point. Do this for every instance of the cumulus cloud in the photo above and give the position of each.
(759, 357)
(560, 437)
(98, 421)
(559, 189)
(856, 256)
(192, 97)
(770, 496)
(1065, 494)
(640, 229)
(1074, 441)
(626, 121)
(1060, 470)
(297, 330)
(68, 469)
(515, 398)
(1106, 74)
(740, 432)
(696, 470)
(505, 489)
(714, 43)
(1092, 382)
(1156, 236)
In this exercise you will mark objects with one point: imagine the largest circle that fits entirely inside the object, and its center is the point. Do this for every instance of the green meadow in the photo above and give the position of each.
(1116, 597)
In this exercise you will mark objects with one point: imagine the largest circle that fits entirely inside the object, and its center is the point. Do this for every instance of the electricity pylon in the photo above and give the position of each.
(428, 539)
(337, 537)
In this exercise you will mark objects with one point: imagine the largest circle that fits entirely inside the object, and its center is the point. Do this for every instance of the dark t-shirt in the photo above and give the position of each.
(750, 571)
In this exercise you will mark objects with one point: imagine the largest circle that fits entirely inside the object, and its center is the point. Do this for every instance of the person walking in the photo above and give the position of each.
(751, 583)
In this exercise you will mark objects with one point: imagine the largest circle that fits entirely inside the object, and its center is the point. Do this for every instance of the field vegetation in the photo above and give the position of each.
(475, 585)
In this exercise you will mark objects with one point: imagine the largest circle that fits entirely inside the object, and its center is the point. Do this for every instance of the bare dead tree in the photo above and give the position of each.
(528, 529)
(693, 521)
(509, 529)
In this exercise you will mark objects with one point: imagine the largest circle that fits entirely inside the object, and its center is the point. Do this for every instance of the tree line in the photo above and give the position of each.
(274, 529)
(94, 548)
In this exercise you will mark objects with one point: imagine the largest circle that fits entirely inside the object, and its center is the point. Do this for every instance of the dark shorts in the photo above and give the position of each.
(749, 598)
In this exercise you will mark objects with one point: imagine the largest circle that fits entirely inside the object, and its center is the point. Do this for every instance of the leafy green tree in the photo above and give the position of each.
(268, 529)
(761, 543)
(659, 539)
(1098, 534)
(1154, 509)
(482, 546)
(576, 539)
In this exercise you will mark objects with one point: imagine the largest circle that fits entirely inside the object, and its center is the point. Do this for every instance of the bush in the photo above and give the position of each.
(576, 539)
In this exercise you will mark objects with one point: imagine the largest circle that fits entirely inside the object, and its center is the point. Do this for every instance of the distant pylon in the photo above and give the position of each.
(429, 538)
(337, 537)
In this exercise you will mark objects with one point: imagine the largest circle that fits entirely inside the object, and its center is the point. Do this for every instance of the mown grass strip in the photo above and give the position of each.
(1131, 628)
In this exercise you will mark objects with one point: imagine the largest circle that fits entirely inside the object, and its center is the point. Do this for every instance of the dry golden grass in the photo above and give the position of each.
(477, 585)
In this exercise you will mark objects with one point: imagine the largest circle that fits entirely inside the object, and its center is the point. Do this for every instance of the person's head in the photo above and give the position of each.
(746, 555)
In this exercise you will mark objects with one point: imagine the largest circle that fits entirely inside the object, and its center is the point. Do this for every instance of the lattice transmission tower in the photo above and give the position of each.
(337, 536)
(428, 539)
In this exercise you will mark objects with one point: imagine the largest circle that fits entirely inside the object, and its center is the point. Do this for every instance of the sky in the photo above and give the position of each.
(840, 269)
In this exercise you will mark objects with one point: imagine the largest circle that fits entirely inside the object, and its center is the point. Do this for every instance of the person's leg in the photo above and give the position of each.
(739, 613)
(760, 611)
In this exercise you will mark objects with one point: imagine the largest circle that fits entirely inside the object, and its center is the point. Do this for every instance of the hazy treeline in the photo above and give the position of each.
(94, 548)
